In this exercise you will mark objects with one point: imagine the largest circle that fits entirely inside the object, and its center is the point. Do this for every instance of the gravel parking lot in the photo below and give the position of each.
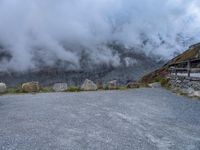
(142, 119)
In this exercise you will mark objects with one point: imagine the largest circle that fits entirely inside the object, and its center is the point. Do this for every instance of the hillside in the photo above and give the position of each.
(191, 53)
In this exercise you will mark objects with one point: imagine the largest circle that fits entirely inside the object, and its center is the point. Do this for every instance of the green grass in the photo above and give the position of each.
(18, 90)
(15, 90)
(74, 89)
(46, 90)
(122, 88)
(12, 90)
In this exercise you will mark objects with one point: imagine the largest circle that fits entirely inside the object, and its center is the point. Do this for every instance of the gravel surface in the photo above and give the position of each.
(143, 119)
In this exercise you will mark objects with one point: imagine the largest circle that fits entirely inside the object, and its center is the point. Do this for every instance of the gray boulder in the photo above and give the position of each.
(89, 85)
(3, 88)
(30, 87)
(60, 87)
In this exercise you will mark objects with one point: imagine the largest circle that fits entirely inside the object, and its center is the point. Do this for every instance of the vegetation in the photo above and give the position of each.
(190, 53)
(122, 88)
(46, 89)
(74, 89)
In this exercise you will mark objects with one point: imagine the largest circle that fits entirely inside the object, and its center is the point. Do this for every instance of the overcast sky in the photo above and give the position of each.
(45, 31)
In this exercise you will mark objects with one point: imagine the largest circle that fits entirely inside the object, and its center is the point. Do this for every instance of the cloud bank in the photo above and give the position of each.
(52, 32)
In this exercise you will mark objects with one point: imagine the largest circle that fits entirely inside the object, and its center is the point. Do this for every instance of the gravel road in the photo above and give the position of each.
(142, 119)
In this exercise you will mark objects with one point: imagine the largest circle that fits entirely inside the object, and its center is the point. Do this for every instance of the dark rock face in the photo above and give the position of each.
(133, 65)
(122, 74)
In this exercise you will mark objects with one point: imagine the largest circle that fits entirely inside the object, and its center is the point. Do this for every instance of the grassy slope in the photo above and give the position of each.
(188, 54)
(159, 74)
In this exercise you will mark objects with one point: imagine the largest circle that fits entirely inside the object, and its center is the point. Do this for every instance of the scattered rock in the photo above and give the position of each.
(3, 88)
(189, 90)
(112, 85)
(133, 85)
(155, 85)
(60, 87)
(89, 85)
(178, 81)
(31, 87)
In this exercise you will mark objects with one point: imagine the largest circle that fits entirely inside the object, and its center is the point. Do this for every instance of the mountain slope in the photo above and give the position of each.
(133, 65)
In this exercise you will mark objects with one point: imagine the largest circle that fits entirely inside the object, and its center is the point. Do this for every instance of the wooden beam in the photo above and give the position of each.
(185, 62)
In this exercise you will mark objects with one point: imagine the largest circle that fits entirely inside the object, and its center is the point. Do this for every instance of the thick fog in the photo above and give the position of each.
(49, 32)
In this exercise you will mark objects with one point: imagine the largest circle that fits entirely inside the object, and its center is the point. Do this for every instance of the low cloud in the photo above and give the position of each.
(39, 33)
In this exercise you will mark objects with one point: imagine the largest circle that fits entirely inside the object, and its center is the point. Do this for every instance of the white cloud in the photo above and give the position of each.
(50, 30)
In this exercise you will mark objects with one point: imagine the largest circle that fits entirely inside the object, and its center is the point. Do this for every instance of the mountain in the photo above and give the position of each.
(133, 65)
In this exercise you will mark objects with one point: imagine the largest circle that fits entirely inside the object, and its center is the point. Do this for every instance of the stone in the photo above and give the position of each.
(196, 93)
(155, 85)
(60, 87)
(178, 81)
(112, 85)
(31, 87)
(133, 85)
(3, 88)
(89, 85)
(188, 91)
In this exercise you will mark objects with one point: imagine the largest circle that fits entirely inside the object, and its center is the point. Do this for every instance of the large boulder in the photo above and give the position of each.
(3, 88)
(89, 85)
(112, 85)
(31, 87)
(60, 87)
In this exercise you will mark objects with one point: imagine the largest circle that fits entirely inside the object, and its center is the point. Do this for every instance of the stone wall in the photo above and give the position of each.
(185, 85)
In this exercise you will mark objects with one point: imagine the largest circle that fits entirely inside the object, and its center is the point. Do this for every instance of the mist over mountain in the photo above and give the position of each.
(37, 34)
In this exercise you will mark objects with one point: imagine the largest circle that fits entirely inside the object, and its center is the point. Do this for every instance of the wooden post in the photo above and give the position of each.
(188, 68)
(175, 71)
(199, 53)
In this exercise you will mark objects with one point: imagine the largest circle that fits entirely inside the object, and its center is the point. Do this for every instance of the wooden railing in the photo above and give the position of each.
(189, 66)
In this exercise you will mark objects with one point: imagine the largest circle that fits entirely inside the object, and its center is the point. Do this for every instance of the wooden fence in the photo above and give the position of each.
(189, 67)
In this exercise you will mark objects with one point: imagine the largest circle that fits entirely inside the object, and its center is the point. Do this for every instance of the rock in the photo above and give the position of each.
(89, 85)
(112, 85)
(133, 85)
(188, 91)
(100, 85)
(3, 88)
(30, 87)
(60, 87)
(178, 81)
(155, 85)
(196, 93)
